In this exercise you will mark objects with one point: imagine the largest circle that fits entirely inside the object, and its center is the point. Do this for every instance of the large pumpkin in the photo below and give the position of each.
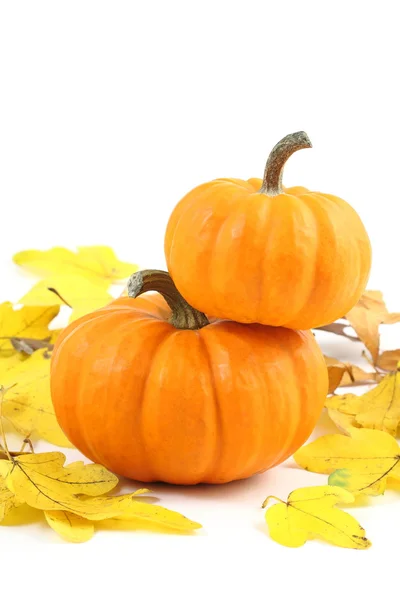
(157, 393)
(255, 252)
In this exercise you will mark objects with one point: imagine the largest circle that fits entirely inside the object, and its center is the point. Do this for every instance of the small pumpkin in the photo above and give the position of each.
(255, 252)
(151, 389)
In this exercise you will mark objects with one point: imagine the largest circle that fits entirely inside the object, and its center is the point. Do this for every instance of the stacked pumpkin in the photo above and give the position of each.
(217, 376)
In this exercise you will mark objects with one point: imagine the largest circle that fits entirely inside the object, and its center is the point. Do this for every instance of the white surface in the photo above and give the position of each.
(110, 112)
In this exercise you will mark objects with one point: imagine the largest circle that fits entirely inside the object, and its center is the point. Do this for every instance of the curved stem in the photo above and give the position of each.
(272, 182)
(183, 315)
(264, 504)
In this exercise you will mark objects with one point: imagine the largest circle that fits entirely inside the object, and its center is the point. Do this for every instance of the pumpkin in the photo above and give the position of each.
(151, 389)
(256, 252)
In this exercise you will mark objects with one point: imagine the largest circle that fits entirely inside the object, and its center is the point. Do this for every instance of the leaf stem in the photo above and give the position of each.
(2, 432)
(264, 504)
(54, 291)
(27, 441)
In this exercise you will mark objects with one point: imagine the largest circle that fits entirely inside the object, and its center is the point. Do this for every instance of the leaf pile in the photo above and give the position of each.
(365, 457)
(365, 319)
(379, 408)
(72, 499)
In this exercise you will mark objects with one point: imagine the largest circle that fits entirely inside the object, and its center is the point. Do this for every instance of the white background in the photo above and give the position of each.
(110, 112)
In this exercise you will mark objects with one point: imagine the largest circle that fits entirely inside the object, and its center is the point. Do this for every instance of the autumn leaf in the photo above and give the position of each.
(8, 500)
(346, 374)
(72, 528)
(365, 318)
(342, 421)
(366, 325)
(27, 403)
(310, 512)
(388, 360)
(379, 408)
(72, 496)
(29, 321)
(141, 512)
(371, 457)
(96, 263)
(374, 302)
(80, 294)
(358, 483)
(42, 481)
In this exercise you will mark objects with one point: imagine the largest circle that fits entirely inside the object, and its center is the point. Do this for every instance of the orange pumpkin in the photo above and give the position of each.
(158, 393)
(255, 252)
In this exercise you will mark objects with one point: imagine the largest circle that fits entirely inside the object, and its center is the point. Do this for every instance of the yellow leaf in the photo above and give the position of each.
(27, 405)
(70, 527)
(311, 512)
(29, 321)
(9, 363)
(41, 481)
(379, 408)
(372, 457)
(8, 501)
(346, 374)
(150, 513)
(342, 421)
(358, 483)
(82, 295)
(97, 263)
(71, 496)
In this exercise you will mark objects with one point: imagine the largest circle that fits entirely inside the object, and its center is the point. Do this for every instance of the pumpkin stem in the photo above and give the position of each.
(183, 315)
(272, 182)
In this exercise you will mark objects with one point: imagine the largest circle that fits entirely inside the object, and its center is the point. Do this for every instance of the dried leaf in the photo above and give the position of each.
(372, 300)
(339, 329)
(346, 374)
(388, 360)
(379, 408)
(366, 325)
(365, 318)
(311, 512)
(82, 295)
(97, 263)
(29, 321)
(70, 527)
(371, 456)
(27, 404)
(30, 345)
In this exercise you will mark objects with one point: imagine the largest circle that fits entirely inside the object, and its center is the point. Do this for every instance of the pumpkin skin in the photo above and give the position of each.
(297, 259)
(156, 403)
